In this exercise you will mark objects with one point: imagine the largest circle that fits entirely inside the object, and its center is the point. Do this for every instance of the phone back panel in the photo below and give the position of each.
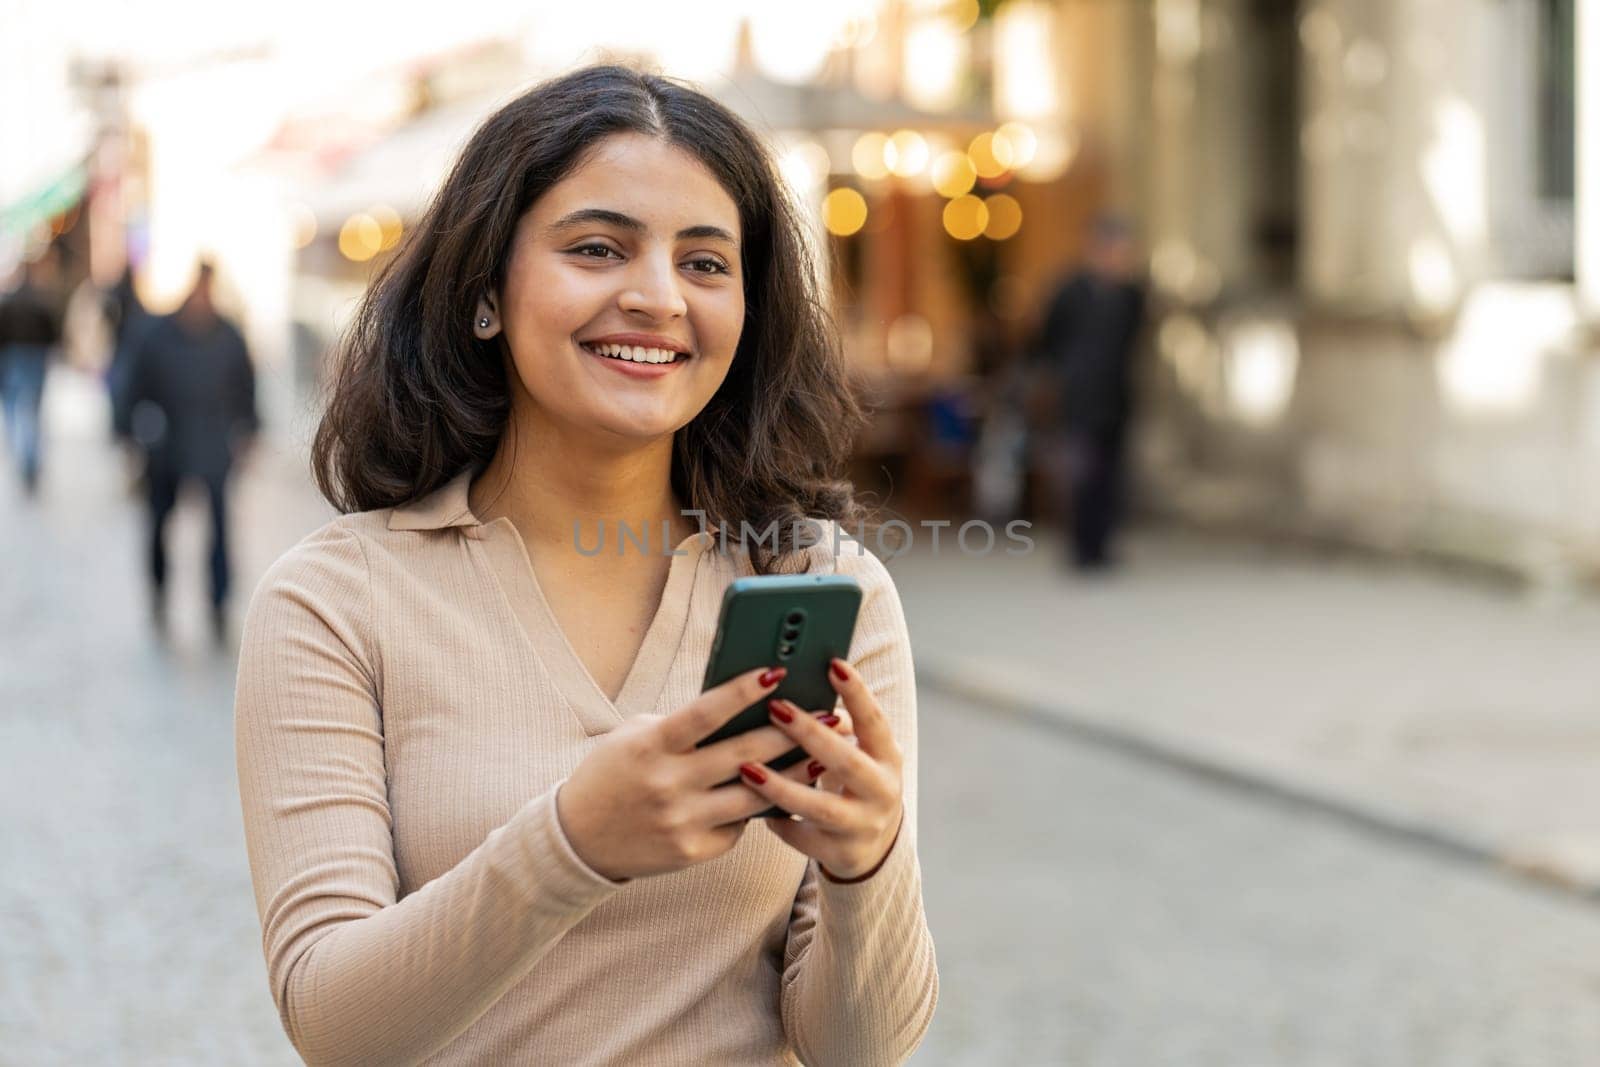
(751, 633)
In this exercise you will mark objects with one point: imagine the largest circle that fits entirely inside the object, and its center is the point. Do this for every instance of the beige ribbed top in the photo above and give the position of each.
(407, 707)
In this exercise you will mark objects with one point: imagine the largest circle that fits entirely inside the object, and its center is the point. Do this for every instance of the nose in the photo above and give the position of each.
(652, 288)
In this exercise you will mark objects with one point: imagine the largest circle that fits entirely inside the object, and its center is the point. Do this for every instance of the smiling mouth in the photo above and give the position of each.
(635, 354)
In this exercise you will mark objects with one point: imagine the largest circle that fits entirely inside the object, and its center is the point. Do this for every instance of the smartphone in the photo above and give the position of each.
(797, 621)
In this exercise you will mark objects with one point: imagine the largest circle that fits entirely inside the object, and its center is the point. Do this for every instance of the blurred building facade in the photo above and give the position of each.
(1367, 226)
(1372, 226)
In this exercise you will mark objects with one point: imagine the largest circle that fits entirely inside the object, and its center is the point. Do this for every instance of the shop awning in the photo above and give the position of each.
(45, 203)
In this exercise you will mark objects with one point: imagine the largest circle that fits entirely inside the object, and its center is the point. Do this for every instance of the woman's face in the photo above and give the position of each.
(639, 239)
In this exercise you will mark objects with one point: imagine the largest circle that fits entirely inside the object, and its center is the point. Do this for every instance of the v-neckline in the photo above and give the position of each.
(647, 674)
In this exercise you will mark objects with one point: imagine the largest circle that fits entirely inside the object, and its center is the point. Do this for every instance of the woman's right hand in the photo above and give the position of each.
(647, 801)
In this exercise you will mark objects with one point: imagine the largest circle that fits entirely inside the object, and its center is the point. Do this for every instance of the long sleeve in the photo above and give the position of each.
(860, 979)
(358, 975)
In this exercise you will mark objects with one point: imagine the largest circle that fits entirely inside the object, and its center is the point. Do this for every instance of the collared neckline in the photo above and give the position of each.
(441, 509)
(448, 506)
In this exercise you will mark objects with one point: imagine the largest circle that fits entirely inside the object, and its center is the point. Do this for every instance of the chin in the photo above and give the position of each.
(643, 430)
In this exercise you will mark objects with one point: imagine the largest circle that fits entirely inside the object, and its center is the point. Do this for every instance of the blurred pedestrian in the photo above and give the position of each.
(125, 318)
(1085, 347)
(30, 331)
(123, 308)
(187, 399)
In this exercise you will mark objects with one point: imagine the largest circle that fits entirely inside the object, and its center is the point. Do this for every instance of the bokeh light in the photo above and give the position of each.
(965, 217)
(1053, 153)
(990, 157)
(805, 165)
(867, 157)
(952, 174)
(1005, 217)
(360, 237)
(906, 154)
(1022, 144)
(389, 226)
(844, 211)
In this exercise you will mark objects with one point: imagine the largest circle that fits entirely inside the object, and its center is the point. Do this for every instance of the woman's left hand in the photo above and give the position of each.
(849, 831)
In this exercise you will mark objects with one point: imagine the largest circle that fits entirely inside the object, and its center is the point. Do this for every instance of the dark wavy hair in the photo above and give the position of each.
(414, 396)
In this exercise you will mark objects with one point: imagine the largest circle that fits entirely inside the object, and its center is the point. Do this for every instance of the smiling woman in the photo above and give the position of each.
(557, 205)
(481, 825)
(582, 282)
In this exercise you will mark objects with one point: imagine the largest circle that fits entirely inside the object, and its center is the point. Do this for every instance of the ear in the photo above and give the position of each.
(485, 318)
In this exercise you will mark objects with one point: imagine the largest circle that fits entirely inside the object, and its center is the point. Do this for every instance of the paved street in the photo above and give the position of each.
(1090, 908)
(1097, 910)
(1445, 706)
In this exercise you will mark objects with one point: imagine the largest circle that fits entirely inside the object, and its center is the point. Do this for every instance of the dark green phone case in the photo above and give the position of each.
(758, 616)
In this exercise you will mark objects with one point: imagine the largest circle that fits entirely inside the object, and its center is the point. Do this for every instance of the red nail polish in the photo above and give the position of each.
(771, 676)
(815, 769)
(829, 720)
(779, 712)
(749, 771)
(839, 672)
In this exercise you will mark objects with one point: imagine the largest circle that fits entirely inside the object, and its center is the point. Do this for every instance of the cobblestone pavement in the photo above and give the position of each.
(1088, 908)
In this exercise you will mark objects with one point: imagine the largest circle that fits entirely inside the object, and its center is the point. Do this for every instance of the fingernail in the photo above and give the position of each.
(815, 769)
(771, 676)
(829, 720)
(779, 712)
(758, 777)
(839, 672)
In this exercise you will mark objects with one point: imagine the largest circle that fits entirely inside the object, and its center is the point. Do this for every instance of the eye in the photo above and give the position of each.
(593, 247)
(715, 264)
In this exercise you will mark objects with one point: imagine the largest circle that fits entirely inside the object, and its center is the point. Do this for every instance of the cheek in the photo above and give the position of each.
(549, 301)
(727, 324)
(543, 309)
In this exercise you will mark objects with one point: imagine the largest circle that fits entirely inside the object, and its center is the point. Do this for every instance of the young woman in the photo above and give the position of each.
(480, 829)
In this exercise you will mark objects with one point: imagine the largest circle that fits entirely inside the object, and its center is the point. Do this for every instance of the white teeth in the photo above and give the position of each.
(634, 353)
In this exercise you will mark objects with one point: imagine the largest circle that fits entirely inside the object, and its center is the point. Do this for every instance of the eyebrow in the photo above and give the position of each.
(628, 222)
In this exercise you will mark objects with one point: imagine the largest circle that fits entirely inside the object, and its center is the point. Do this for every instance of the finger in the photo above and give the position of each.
(719, 762)
(847, 723)
(846, 763)
(802, 772)
(737, 802)
(871, 725)
(698, 719)
(828, 811)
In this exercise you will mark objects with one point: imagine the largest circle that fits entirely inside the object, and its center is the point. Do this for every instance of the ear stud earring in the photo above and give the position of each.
(484, 322)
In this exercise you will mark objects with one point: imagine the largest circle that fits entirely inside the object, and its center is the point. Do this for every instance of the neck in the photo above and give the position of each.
(546, 480)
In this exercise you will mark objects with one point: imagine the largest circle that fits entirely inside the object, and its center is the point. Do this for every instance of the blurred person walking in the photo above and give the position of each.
(124, 310)
(1084, 348)
(125, 318)
(186, 396)
(30, 330)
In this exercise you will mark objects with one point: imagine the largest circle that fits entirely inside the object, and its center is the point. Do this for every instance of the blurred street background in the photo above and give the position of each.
(1277, 320)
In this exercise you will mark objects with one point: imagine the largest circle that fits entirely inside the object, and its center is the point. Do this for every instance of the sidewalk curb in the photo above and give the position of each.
(999, 690)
